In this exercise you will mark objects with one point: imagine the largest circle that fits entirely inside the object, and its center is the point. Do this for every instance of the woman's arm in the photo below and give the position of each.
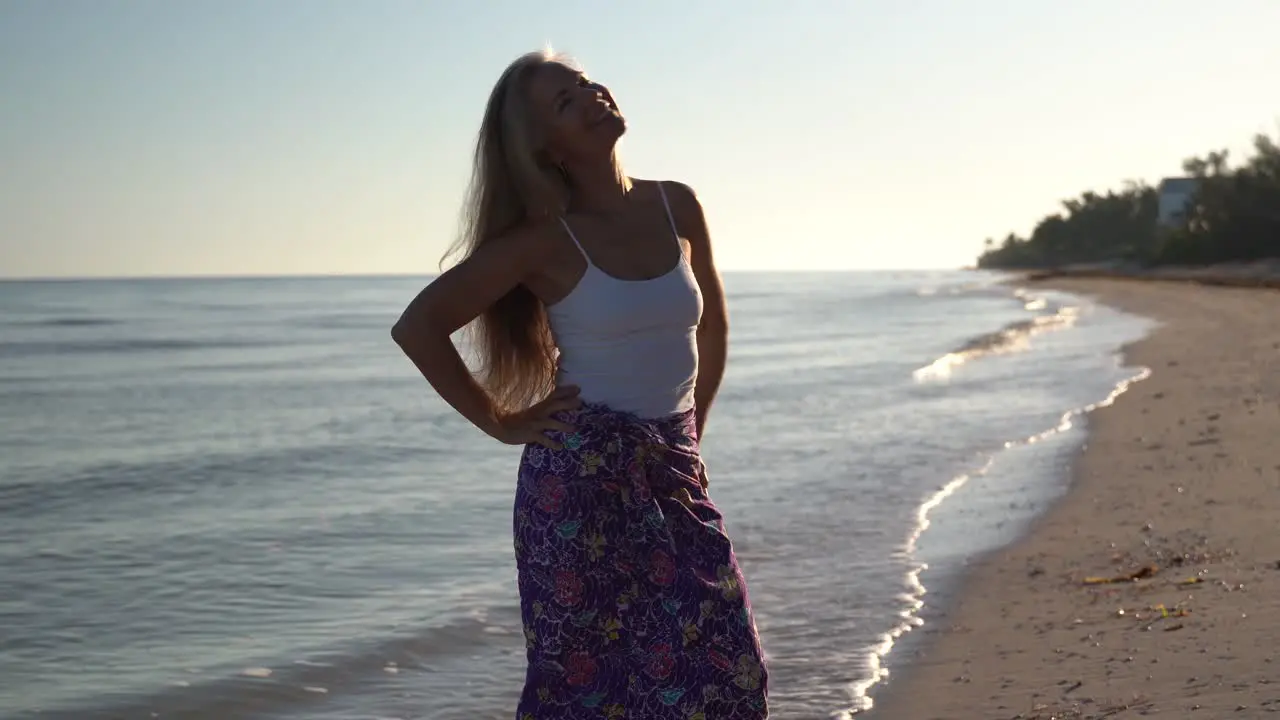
(713, 330)
(451, 301)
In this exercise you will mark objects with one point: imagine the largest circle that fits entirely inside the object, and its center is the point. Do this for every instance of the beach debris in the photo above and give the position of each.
(1165, 613)
(1084, 710)
(1177, 611)
(1139, 574)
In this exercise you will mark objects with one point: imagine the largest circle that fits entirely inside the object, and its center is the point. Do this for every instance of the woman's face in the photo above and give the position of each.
(580, 119)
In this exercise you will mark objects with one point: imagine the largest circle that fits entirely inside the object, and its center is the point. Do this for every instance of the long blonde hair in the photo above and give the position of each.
(512, 181)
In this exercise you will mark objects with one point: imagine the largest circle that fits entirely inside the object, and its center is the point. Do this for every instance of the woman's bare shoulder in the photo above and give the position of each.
(670, 187)
(679, 194)
(681, 198)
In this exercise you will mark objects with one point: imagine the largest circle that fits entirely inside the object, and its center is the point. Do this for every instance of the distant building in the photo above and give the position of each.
(1173, 194)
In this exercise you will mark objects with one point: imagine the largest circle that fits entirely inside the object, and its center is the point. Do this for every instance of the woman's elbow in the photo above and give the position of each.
(400, 331)
(412, 327)
(397, 330)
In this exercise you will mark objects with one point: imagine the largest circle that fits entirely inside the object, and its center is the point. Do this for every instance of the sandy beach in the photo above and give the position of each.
(1153, 587)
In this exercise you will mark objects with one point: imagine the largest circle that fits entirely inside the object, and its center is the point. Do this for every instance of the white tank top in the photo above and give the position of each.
(630, 344)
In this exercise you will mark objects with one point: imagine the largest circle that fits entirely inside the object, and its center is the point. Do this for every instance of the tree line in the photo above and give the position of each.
(1232, 215)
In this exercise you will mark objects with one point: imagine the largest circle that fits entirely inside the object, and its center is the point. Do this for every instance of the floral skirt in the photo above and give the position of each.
(632, 599)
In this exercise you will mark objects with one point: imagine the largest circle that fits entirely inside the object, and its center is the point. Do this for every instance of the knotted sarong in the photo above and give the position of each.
(632, 599)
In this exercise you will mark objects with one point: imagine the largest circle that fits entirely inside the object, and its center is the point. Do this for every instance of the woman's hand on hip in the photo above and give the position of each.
(532, 424)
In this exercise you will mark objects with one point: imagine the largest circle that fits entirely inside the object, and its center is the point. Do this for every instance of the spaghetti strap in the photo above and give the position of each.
(671, 218)
(574, 238)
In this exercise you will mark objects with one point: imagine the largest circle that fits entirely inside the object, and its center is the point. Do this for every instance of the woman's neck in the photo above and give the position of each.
(598, 188)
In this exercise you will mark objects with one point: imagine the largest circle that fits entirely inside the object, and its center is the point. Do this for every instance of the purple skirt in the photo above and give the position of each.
(633, 603)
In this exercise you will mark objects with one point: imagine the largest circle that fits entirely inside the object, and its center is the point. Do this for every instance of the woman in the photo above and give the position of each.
(602, 330)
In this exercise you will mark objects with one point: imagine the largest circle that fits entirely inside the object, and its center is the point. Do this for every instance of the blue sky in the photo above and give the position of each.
(173, 137)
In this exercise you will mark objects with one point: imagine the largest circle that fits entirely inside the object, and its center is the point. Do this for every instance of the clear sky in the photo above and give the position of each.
(174, 137)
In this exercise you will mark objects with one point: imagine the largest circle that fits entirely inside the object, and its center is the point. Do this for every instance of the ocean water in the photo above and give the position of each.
(235, 498)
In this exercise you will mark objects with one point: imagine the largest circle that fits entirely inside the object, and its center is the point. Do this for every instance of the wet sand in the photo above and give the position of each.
(1153, 587)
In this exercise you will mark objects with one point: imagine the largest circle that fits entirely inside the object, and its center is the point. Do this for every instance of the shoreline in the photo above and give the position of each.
(1174, 474)
(1021, 480)
(1263, 274)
